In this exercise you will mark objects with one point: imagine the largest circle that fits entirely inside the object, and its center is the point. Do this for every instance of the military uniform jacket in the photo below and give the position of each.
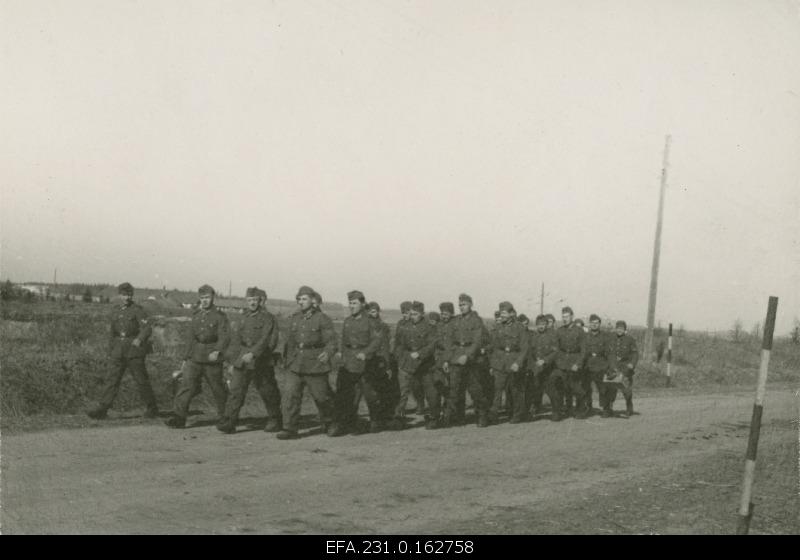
(208, 332)
(416, 337)
(359, 334)
(509, 346)
(467, 336)
(442, 349)
(570, 347)
(384, 334)
(621, 352)
(257, 334)
(310, 334)
(596, 346)
(129, 322)
(402, 324)
(542, 346)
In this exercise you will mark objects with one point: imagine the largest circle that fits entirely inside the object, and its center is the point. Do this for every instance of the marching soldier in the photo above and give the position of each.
(417, 390)
(467, 336)
(415, 345)
(596, 361)
(361, 343)
(206, 341)
(310, 344)
(509, 348)
(442, 349)
(255, 340)
(569, 364)
(381, 365)
(542, 353)
(623, 357)
(551, 322)
(129, 343)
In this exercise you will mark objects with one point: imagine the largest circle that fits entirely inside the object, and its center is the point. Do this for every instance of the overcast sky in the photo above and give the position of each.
(409, 149)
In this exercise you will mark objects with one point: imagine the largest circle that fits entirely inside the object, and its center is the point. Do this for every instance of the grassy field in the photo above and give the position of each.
(53, 359)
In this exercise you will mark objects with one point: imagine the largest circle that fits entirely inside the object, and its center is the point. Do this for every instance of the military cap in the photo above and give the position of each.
(550, 317)
(418, 306)
(594, 317)
(622, 324)
(252, 292)
(125, 288)
(262, 294)
(405, 307)
(206, 289)
(305, 291)
(541, 319)
(506, 306)
(374, 305)
(567, 310)
(579, 322)
(523, 318)
(433, 316)
(355, 294)
(464, 297)
(316, 297)
(447, 306)
(496, 314)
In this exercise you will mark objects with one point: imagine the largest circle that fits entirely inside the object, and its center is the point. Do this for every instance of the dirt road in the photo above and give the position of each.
(676, 468)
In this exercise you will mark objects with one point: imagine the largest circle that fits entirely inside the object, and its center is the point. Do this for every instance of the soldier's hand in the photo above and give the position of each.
(338, 355)
(136, 342)
(515, 367)
(247, 358)
(323, 357)
(213, 356)
(446, 367)
(574, 368)
(630, 366)
(389, 373)
(361, 356)
(415, 355)
(540, 362)
(462, 360)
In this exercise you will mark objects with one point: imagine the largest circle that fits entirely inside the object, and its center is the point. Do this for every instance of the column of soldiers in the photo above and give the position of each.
(435, 358)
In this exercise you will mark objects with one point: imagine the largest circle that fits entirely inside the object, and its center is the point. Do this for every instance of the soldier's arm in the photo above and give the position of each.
(429, 344)
(267, 341)
(634, 352)
(189, 340)
(524, 346)
(375, 340)
(552, 351)
(328, 335)
(479, 333)
(145, 330)
(223, 334)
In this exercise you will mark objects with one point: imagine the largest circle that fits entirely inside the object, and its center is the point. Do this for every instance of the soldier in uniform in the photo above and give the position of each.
(417, 391)
(542, 353)
(467, 336)
(207, 339)
(254, 342)
(551, 322)
(381, 365)
(507, 361)
(360, 344)
(623, 357)
(524, 321)
(310, 344)
(596, 361)
(434, 318)
(441, 351)
(129, 343)
(569, 366)
(415, 345)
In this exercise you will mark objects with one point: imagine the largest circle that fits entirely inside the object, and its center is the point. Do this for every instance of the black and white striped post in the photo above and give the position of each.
(669, 357)
(746, 506)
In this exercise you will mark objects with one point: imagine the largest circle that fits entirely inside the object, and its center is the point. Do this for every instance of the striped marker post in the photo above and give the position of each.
(669, 357)
(746, 506)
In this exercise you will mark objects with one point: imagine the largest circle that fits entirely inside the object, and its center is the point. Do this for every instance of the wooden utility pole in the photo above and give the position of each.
(541, 301)
(651, 306)
(55, 276)
(230, 288)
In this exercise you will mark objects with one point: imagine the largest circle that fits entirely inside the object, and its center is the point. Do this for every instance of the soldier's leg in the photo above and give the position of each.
(216, 382)
(433, 397)
(139, 372)
(518, 383)
(110, 387)
(404, 381)
(627, 392)
(577, 385)
(587, 391)
(267, 387)
(536, 388)
(418, 392)
(456, 396)
(500, 384)
(369, 386)
(556, 387)
(344, 399)
(602, 391)
(476, 393)
(323, 397)
(189, 387)
(291, 400)
(240, 381)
